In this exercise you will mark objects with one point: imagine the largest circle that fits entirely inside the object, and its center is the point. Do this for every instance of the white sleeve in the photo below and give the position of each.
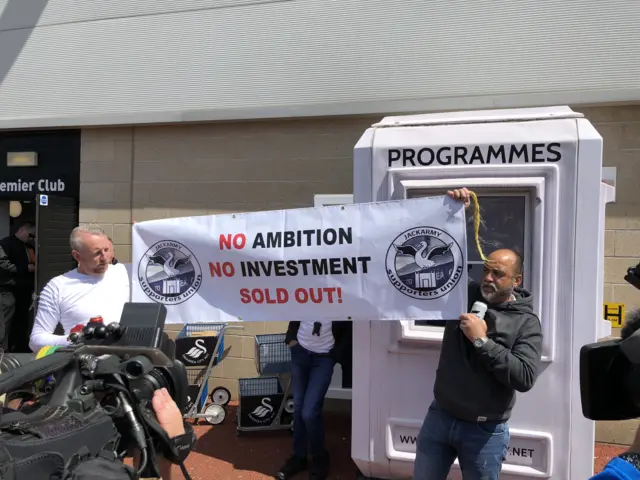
(47, 320)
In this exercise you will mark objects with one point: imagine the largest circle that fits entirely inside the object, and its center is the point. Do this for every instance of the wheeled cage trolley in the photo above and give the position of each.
(266, 402)
(200, 347)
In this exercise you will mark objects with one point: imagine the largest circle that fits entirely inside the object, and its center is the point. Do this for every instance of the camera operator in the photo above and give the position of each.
(609, 370)
(170, 419)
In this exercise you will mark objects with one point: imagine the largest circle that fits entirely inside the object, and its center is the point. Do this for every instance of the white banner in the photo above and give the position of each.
(381, 261)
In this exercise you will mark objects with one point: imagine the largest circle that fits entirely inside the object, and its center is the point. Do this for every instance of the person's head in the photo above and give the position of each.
(92, 249)
(26, 232)
(502, 274)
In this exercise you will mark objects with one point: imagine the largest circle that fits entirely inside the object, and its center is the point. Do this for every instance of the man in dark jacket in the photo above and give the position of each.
(482, 365)
(315, 349)
(16, 285)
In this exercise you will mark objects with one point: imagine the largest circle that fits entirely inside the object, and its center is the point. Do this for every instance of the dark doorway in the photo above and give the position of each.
(36, 164)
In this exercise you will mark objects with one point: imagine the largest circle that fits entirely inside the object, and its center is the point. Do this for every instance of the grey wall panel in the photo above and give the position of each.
(132, 61)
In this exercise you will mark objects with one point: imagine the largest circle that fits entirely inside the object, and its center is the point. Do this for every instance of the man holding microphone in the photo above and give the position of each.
(486, 356)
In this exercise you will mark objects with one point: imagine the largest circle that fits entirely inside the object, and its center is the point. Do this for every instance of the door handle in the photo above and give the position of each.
(34, 301)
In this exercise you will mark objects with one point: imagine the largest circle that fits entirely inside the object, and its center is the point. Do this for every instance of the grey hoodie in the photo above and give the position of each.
(480, 384)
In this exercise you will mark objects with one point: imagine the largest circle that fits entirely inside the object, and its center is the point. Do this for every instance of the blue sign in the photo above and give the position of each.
(44, 200)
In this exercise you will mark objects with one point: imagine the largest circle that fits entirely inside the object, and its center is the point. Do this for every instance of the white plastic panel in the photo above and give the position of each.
(392, 399)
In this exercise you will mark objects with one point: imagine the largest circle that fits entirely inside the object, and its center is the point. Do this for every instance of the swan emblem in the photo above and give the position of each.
(263, 409)
(423, 255)
(198, 350)
(170, 265)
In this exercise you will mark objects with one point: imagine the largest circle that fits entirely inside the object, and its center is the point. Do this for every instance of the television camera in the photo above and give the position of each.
(610, 370)
(93, 396)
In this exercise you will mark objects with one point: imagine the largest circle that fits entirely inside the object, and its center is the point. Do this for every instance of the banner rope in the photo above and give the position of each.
(477, 222)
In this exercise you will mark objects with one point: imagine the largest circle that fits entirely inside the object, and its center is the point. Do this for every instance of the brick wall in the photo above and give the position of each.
(620, 128)
(146, 173)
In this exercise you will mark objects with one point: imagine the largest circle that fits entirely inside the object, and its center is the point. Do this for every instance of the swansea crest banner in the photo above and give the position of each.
(398, 260)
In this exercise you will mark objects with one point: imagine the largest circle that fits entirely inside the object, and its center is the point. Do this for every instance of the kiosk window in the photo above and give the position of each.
(506, 224)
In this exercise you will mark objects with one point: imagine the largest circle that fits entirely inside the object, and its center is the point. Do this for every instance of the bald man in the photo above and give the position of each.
(483, 363)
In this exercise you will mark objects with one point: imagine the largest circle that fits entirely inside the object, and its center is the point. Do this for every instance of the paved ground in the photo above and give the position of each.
(220, 455)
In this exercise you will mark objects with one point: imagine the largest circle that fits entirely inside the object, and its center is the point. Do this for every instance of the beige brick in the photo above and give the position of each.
(105, 192)
(252, 328)
(234, 344)
(622, 217)
(123, 253)
(173, 327)
(189, 210)
(122, 234)
(628, 295)
(276, 327)
(108, 213)
(615, 268)
(621, 433)
(630, 135)
(230, 384)
(107, 134)
(116, 171)
(149, 213)
(249, 347)
(609, 243)
(627, 243)
(239, 368)
(608, 293)
(227, 208)
(611, 114)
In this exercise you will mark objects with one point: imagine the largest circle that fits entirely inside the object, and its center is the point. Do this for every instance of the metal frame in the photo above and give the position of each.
(281, 374)
(197, 412)
(489, 192)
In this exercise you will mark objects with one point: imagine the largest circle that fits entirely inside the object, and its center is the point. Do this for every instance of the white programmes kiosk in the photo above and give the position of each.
(537, 173)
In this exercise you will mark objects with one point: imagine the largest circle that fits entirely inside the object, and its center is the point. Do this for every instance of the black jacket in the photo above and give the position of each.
(471, 382)
(342, 351)
(14, 265)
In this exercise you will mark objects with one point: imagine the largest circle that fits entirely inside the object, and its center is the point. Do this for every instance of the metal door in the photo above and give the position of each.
(55, 218)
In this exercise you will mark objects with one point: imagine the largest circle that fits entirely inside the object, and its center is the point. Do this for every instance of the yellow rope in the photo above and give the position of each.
(477, 221)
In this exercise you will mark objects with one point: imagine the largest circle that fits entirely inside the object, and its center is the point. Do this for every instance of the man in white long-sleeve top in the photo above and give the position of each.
(95, 288)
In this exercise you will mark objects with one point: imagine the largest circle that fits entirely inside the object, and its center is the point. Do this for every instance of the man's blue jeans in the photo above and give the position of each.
(310, 379)
(480, 447)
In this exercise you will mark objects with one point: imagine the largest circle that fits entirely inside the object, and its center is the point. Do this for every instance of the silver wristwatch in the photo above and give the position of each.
(479, 342)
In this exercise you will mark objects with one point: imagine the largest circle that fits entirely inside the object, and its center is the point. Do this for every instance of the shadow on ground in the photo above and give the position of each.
(256, 455)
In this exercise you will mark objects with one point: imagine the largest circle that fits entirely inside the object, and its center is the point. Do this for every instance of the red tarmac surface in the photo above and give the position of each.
(221, 455)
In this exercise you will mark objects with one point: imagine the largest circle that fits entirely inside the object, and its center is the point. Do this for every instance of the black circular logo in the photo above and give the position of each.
(424, 263)
(169, 273)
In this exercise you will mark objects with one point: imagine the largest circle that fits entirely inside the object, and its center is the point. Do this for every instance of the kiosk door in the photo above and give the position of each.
(55, 218)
